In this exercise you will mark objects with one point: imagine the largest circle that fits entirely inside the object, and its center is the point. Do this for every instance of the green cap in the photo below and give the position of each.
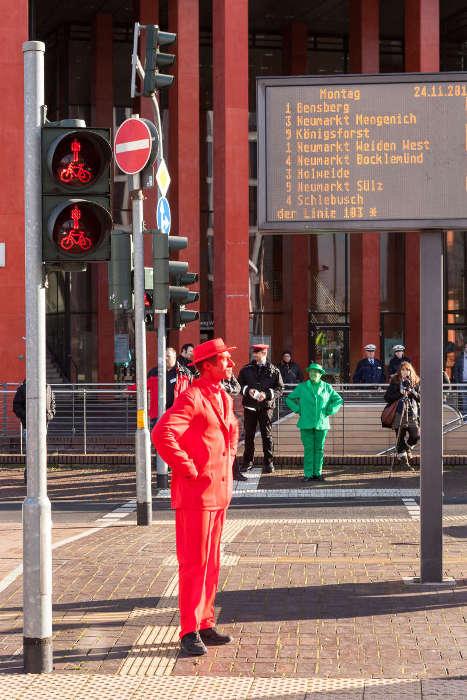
(315, 366)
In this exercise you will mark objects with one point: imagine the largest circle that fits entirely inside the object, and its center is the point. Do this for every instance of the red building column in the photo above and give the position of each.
(421, 55)
(102, 115)
(364, 247)
(13, 32)
(148, 13)
(295, 248)
(184, 156)
(231, 220)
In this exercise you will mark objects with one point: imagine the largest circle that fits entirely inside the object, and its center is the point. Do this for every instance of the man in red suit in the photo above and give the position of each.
(198, 438)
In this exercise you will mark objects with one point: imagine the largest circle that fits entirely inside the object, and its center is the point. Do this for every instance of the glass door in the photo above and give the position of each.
(329, 346)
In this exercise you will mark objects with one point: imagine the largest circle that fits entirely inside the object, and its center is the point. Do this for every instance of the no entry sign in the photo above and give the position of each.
(132, 146)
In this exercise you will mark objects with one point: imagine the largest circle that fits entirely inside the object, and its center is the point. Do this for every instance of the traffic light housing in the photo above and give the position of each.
(120, 271)
(76, 194)
(171, 278)
(180, 295)
(155, 59)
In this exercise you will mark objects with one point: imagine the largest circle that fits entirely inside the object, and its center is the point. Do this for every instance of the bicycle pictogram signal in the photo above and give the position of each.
(76, 237)
(75, 170)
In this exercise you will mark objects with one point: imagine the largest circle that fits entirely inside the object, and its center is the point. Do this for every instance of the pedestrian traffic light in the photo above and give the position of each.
(155, 59)
(76, 194)
(148, 313)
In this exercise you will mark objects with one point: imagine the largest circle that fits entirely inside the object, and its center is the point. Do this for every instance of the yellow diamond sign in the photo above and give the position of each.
(163, 178)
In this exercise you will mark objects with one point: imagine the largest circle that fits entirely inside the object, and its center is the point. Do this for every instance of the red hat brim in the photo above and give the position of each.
(226, 348)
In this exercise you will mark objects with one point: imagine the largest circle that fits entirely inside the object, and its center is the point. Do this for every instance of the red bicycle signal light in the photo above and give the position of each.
(78, 159)
(76, 194)
(78, 228)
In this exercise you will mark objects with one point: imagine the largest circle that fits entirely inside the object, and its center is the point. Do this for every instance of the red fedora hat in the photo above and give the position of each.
(210, 348)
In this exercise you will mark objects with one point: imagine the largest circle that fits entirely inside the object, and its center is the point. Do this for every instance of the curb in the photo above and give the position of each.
(110, 459)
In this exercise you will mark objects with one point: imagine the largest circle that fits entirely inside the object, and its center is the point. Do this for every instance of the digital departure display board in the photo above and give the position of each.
(362, 152)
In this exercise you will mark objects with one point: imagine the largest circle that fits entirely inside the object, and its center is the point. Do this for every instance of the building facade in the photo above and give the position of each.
(321, 297)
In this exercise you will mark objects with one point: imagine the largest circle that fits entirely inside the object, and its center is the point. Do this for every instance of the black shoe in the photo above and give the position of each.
(240, 477)
(307, 478)
(268, 468)
(192, 644)
(247, 466)
(319, 477)
(212, 637)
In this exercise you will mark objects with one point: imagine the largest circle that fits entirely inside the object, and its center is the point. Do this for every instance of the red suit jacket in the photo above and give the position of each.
(199, 443)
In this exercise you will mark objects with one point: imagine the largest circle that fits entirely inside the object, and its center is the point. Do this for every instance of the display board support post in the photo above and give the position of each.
(431, 453)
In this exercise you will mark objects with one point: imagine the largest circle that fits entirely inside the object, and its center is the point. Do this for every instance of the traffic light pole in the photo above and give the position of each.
(162, 469)
(142, 438)
(37, 521)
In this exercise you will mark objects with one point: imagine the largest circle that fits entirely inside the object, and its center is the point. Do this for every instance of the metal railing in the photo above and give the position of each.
(356, 428)
(100, 418)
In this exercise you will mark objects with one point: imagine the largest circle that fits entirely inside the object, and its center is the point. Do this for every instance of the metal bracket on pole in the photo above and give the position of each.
(37, 520)
(134, 59)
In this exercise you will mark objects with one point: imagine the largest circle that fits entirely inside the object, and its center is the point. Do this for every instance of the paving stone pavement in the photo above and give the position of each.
(86, 686)
(308, 602)
(355, 477)
(317, 608)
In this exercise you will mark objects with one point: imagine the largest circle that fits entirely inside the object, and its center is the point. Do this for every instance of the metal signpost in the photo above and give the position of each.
(37, 521)
(137, 69)
(164, 225)
(132, 150)
(375, 152)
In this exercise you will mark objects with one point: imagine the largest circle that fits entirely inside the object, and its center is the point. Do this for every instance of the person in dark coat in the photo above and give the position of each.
(396, 359)
(177, 379)
(19, 408)
(369, 370)
(231, 385)
(262, 385)
(19, 403)
(404, 388)
(290, 371)
(186, 356)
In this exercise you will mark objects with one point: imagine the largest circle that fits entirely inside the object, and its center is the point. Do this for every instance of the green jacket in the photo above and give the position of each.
(314, 403)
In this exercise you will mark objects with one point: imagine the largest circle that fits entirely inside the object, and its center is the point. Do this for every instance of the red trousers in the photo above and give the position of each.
(198, 536)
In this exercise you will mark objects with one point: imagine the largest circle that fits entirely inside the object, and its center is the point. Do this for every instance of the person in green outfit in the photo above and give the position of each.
(314, 401)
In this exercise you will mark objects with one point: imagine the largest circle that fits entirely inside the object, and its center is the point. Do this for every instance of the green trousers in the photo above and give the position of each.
(313, 447)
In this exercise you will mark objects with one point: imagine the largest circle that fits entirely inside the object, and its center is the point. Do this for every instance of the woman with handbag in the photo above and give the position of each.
(403, 395)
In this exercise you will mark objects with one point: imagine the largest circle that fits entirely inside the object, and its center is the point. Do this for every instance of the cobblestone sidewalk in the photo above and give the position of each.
(316, 609)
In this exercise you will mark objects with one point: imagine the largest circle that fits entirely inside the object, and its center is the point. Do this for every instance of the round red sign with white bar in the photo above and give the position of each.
(132, 146)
